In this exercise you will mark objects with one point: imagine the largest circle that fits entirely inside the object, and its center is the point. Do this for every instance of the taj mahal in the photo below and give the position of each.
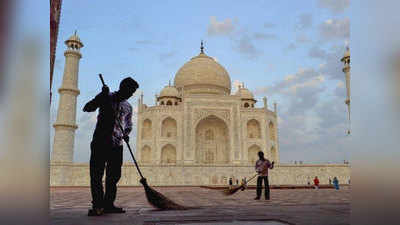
(198, 132)
(198, 121)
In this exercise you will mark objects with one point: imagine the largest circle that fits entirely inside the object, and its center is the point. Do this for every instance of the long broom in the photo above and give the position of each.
(232, 191)
(155, 198)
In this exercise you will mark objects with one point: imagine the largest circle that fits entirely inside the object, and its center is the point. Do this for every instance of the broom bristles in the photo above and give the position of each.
(243, 186)
(158, 200)
(232, 191)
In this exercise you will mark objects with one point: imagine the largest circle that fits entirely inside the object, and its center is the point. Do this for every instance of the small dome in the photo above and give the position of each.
(74, 39)
(244, 93)
(169, 91)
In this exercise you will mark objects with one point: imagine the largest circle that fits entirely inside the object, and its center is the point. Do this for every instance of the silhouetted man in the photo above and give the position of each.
(262, 166)
(106, 145)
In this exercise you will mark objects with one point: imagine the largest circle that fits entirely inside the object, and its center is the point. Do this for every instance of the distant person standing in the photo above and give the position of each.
(262, 166)
(230, 182)
(330, 181)
(316, 182)
(336, 183)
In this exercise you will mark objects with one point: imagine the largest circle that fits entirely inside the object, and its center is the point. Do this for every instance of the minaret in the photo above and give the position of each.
(346, 70)
(265, 103)
(65, 125)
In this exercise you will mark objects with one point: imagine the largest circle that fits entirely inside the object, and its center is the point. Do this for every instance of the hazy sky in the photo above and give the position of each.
(288, 51)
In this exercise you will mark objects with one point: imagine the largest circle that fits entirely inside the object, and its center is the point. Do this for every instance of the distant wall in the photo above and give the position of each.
(78, 174)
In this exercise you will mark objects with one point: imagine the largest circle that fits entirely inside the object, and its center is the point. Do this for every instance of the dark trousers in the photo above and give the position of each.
(109, 158)
(259, 186)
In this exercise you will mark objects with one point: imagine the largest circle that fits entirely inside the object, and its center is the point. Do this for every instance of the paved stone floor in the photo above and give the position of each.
(289, 206)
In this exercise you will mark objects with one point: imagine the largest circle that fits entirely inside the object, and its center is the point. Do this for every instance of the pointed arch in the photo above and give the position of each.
(168, 154)
(146, 129)
(146, 154)
(168, 128)
(271, 129)
(212, 141)
(253, 129)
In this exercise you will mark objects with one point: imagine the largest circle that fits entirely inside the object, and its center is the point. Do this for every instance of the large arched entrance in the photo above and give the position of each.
(212, 141)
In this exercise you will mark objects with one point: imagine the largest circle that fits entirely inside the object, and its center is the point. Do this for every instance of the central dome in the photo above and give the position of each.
(203, 75)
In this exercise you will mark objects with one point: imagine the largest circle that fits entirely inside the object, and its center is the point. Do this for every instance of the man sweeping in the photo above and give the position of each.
(106, 145)
(262, 166)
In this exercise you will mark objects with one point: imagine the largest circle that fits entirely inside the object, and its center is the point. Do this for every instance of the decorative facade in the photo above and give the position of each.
(197, 121)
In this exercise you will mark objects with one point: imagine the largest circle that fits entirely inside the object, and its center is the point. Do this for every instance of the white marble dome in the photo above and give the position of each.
(169, 91)
(203, 75)
(244, 93)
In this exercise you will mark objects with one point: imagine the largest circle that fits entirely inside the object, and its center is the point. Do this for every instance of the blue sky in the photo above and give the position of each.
(286, 50)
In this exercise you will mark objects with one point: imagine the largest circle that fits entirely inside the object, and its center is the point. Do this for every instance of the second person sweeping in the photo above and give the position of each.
(262, 166)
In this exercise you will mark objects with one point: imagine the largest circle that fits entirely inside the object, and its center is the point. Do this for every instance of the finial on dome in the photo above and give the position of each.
(201, 47)
(75, 33)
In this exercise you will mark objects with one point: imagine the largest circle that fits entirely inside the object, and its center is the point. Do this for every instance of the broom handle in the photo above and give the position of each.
(101, 78)
(252, 178)
(130, 151)
(122, 129)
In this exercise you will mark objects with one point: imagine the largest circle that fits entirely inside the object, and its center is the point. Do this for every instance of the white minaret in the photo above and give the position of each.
(265, 103)
(346, 70)
(65, 125)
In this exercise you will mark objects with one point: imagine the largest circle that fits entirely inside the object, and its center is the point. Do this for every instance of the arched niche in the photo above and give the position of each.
(271, 129)
(168, 154)
(168, 128)
(252, 153)
(212, 141)
(253, 129)
(146, 129)
(273, 154)
(145, 155)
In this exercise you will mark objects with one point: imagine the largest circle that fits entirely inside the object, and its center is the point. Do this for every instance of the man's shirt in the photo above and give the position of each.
(263, 166)
(124, 117)
(111, 111)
